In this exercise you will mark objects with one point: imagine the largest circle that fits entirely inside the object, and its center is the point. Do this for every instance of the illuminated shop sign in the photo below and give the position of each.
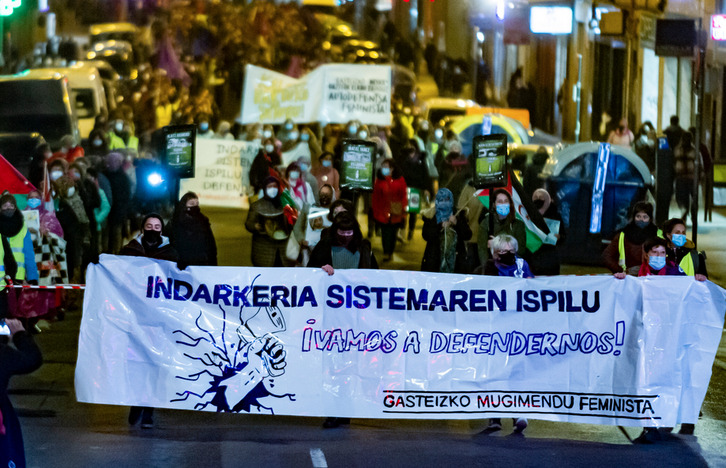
(550, 19)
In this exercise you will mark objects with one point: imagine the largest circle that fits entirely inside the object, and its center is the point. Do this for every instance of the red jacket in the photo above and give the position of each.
(387, 193)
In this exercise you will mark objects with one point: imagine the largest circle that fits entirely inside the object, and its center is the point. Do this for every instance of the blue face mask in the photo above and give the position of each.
(679, 240)
(655, 262)
(502, 210)
(204, 126)
(33, 203)
(303, 167)
(386, 171)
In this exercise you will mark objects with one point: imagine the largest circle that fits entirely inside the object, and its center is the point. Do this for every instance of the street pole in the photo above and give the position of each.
(701, 60)
(578, 96)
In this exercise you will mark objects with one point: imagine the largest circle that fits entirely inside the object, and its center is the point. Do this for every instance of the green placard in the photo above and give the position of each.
(358, 165)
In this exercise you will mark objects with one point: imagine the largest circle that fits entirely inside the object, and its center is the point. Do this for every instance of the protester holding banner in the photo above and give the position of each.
(151, 244)
(325, 173)
(655, 261)
(22, 357)
(389, 201)
(625, 252)
(502, 212)
(191, 233)
(682, 251)
(445, 234)
(266, 222)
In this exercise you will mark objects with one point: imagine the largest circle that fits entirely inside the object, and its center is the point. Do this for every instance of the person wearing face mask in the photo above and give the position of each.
(191, 233)
(121, 138)
(69, 150)
(89, 193)
(57, 169)
(36, 172)
(682, 251)
(224, 131)
(644, 145)
(266, 222)
(325, 173)
(388, 202)
(503, 221)
(304, 164)
(342, 246)
(445, 233)
(204, 129)
(300, 191)
(264, 165)
(97, 144)
(19, 238)
(150, 243)
(120, 184)
(310, 226)
(546, 260)
(413, 166)
(624, 253)
(504, 261)
(72, 216)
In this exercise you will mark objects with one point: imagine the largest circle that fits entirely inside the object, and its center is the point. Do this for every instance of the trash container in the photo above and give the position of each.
(569, 177)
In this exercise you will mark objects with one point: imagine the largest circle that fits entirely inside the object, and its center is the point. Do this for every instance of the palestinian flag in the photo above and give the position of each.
(14, 182)
(537, 229)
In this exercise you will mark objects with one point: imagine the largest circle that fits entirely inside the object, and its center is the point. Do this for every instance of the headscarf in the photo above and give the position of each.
(444, 205)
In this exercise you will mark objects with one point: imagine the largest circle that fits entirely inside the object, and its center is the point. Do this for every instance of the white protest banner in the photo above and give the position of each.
(391, 344)
(221, 174)
(332, 93)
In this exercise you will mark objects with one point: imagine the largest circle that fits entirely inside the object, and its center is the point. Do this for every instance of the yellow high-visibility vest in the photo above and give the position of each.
(621, 248)
(16, 245)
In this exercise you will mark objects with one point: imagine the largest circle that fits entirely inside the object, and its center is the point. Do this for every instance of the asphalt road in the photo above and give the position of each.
(60, 432)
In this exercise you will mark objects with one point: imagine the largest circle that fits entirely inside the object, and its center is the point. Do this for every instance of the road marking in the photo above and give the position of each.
(318, 458)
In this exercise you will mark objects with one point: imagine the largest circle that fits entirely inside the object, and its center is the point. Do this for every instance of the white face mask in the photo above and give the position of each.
(267, 134)
(269, 148)
(294, 175)
(55, 175)
(294, 135)
(97, 142)
(271, 192)
(363, 135)
(119, 126)
(71, 192)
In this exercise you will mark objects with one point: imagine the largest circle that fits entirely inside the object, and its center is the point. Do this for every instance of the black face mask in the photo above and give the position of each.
(539, 203)
(8, 213)
(193, 210)
(151, 236)
(325, 201)
(507, 258)
(343, 241)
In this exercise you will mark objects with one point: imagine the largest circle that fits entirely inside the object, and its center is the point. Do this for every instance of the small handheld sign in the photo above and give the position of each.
(490, 156)
(180, 150)
(358, 167)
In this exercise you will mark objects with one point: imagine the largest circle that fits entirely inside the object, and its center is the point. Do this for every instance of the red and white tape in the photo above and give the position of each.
(55, 286)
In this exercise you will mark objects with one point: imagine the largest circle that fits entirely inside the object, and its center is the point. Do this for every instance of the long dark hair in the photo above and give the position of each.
(182, 205)
(345, 221)
(492, 206)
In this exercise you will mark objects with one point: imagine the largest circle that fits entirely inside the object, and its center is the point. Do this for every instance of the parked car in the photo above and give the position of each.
(38, 101)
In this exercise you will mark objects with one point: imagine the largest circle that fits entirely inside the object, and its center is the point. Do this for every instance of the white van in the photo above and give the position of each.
(87, 95)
